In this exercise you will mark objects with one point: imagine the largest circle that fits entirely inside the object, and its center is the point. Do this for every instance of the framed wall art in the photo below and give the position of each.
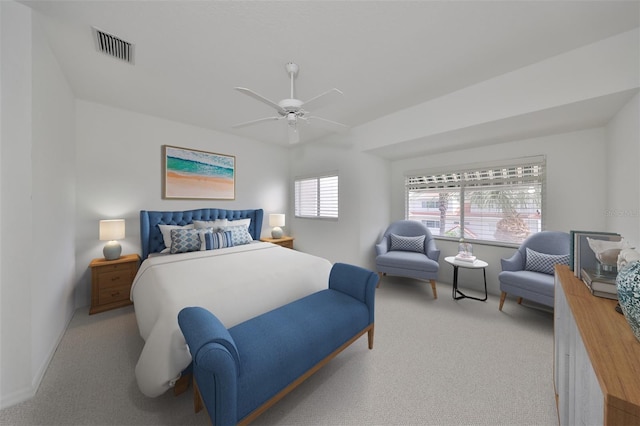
(194, 174)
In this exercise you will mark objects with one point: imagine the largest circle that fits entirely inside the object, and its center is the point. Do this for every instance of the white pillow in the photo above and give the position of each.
(215, 224)
(166, 234)
(239, 222)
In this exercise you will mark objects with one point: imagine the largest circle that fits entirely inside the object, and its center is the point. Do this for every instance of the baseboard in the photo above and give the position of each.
(17, 397)
(25, 394)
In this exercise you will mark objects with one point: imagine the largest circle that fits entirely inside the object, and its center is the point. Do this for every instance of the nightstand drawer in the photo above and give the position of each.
(113, 278)
(286, 244)
(118, 267)
(113, 294)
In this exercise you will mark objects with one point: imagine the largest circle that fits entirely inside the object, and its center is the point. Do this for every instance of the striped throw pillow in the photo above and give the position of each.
(217, 240)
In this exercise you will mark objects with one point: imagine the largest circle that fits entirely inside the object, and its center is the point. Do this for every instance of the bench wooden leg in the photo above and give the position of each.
(198, 405)
(182, 384)
(503, 296)
(433, 287)
(370, 336)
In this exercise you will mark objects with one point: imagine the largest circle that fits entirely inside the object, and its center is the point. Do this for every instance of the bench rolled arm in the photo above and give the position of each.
(200, 327)
(356, 282)
(215, 354)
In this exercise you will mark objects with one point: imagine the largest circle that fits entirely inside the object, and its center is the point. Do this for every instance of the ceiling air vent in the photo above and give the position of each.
(113, 46)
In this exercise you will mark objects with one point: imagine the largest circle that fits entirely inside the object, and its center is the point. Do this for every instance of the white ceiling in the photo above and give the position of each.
(384, 56)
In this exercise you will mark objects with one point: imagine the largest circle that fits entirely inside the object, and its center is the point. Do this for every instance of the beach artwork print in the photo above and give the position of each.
(190, 173)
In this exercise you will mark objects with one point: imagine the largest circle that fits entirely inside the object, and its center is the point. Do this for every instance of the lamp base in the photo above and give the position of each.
(276, 232)
(112, 250)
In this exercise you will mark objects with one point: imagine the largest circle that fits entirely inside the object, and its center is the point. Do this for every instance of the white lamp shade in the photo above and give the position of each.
(111, 229)
(276, 219)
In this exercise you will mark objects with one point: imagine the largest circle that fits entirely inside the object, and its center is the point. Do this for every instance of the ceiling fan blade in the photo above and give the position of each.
(252, 122)
(294, 134)
(338, 127)
(322, 99)
(261, 98)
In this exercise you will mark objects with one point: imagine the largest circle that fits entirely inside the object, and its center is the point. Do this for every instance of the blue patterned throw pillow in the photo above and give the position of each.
(540, 262)
(185, 240)
(400, 243)
(217, 240)
(239, 234)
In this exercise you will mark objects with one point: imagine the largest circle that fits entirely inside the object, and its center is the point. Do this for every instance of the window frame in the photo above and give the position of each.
(460, 182)
(331, 201)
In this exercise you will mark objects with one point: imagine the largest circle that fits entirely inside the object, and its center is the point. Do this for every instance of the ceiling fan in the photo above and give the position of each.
(293, 110)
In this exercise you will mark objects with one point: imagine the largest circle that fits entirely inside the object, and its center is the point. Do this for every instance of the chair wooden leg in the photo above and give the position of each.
(519, 300)
(503, 296)
(433, 287)
(370, 337)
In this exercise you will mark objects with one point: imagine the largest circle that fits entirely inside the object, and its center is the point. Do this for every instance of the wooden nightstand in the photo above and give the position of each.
(286, 242)
(111, 282)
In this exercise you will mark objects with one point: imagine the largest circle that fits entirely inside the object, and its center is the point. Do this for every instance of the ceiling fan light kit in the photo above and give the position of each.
(293, 109)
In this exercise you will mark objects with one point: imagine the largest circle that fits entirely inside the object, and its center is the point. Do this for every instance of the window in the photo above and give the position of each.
(317, 197)
(501, 203)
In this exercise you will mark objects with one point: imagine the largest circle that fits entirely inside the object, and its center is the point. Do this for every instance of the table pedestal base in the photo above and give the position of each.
(457, 294)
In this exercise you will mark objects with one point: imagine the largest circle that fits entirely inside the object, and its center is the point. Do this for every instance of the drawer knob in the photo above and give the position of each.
(115, 278)
(114, 294)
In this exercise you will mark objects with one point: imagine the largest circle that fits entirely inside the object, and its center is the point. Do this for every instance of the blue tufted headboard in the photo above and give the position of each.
(151, 237)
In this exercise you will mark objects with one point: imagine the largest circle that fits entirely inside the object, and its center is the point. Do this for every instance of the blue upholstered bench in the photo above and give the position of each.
(240, 372)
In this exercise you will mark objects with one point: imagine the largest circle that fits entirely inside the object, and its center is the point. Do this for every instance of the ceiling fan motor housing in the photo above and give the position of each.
(291, 105)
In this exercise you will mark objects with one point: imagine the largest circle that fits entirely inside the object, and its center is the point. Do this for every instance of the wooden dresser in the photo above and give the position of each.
(111, 282)
(597, 358)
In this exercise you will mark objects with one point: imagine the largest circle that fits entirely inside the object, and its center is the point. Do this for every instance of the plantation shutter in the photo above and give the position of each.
(316, 197)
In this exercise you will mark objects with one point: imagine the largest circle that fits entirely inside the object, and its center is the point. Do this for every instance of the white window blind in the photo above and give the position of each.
(317, 197)
(501, 203)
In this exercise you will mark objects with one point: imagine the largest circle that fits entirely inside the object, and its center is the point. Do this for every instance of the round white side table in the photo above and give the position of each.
(477, 264)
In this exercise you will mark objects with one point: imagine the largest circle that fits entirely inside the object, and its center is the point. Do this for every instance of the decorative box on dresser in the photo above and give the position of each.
(284, 241)
(596, 358)
(111, 282)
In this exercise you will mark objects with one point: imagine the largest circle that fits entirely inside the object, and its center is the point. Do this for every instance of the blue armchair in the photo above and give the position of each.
(532, 277)
(408, 249)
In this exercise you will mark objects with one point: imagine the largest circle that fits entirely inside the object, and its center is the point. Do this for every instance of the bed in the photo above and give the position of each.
(236, 283)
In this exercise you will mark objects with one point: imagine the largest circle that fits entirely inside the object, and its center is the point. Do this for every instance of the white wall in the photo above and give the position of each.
(574, 162)
(53, 203)
(119, 173)
(622, 207)
(363, 203)
(15, 192)
(37, 204)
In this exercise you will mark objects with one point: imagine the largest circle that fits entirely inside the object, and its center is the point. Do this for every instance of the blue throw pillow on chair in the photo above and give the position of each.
(540, 262)
(400, 243)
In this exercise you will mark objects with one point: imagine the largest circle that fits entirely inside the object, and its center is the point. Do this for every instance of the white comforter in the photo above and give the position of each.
(235, 284)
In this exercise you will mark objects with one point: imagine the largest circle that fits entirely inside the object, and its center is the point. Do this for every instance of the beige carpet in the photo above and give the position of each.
(434, 362)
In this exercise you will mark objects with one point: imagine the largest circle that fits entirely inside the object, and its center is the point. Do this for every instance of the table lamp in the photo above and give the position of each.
(112, 230)
(276, 220)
